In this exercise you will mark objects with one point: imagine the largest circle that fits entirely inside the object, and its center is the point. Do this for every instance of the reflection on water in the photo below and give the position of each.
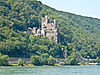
(51, 70)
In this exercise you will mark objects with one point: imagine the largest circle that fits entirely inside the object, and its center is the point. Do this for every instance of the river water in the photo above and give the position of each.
(51, 70)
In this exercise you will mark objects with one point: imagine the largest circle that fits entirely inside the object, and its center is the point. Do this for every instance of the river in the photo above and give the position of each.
(51, 70)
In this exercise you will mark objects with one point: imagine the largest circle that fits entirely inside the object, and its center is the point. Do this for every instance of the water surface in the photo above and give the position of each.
(51, 70)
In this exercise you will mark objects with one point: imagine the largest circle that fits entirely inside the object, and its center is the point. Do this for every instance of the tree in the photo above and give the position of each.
(35, 60)
(0, 62)
(24, 61)
(44, 59)
(97, 60)
(4, 60)
(51, 60)
(73, 59)
(20, 62)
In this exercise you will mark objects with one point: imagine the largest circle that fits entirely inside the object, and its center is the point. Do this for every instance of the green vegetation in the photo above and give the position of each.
(20, 62)
(51, 60)
(4, 60)
(78, 34)
(44, 59)
(74, 58)
(97, 60)
(24, 62)
(35, 60)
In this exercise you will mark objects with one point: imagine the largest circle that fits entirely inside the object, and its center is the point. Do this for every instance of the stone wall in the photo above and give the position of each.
(47, 29)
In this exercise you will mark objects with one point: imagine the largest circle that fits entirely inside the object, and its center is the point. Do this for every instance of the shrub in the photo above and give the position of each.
(44, 59)
(51, 60)
(73, 61)
(35, 60)
(97, 60)
(20, 62)
(1, 63)
(24, 61)
(4, 60)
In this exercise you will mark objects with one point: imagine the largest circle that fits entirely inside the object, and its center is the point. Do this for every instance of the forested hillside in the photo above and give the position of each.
(77, 34)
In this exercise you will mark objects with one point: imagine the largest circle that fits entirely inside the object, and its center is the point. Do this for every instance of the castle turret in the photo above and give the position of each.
(38, 31)
(42, 23)
(46, 19)
(43, 32)
(55, 23)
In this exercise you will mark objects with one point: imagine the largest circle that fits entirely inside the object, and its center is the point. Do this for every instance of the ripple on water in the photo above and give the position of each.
(51, 70)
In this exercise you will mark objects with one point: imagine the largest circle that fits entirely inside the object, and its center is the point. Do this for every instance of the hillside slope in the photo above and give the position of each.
(76, 33)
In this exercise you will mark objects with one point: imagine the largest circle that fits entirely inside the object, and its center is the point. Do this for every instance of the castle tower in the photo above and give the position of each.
(43, 32)
(39, 33)
(56, 36)
(46, 19)
(55, 23)
(44, 22)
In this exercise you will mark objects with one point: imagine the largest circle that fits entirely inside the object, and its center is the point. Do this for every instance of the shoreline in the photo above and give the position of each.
(31, 65)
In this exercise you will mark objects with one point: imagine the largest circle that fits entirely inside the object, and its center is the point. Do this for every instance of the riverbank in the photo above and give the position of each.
(31, 65)
(51, 70)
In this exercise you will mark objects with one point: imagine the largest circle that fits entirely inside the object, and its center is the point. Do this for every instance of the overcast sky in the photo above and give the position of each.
(81, 7)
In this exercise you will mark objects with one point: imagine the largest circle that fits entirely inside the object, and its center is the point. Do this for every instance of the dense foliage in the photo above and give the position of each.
(51, 60)
(20, 62)
(35, 60)
(44, 59)
(77, 33)
(4, 60)
(73, 59)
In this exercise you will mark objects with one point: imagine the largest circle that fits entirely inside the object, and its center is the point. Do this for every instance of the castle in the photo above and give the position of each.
(47, 29)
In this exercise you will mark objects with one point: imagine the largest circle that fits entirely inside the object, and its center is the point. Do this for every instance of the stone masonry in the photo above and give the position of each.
(47, 29)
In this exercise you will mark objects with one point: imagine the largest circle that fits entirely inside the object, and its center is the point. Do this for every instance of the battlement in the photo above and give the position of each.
(45, 23)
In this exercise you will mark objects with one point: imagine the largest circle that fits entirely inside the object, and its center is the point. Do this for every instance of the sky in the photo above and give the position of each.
(90, 8)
